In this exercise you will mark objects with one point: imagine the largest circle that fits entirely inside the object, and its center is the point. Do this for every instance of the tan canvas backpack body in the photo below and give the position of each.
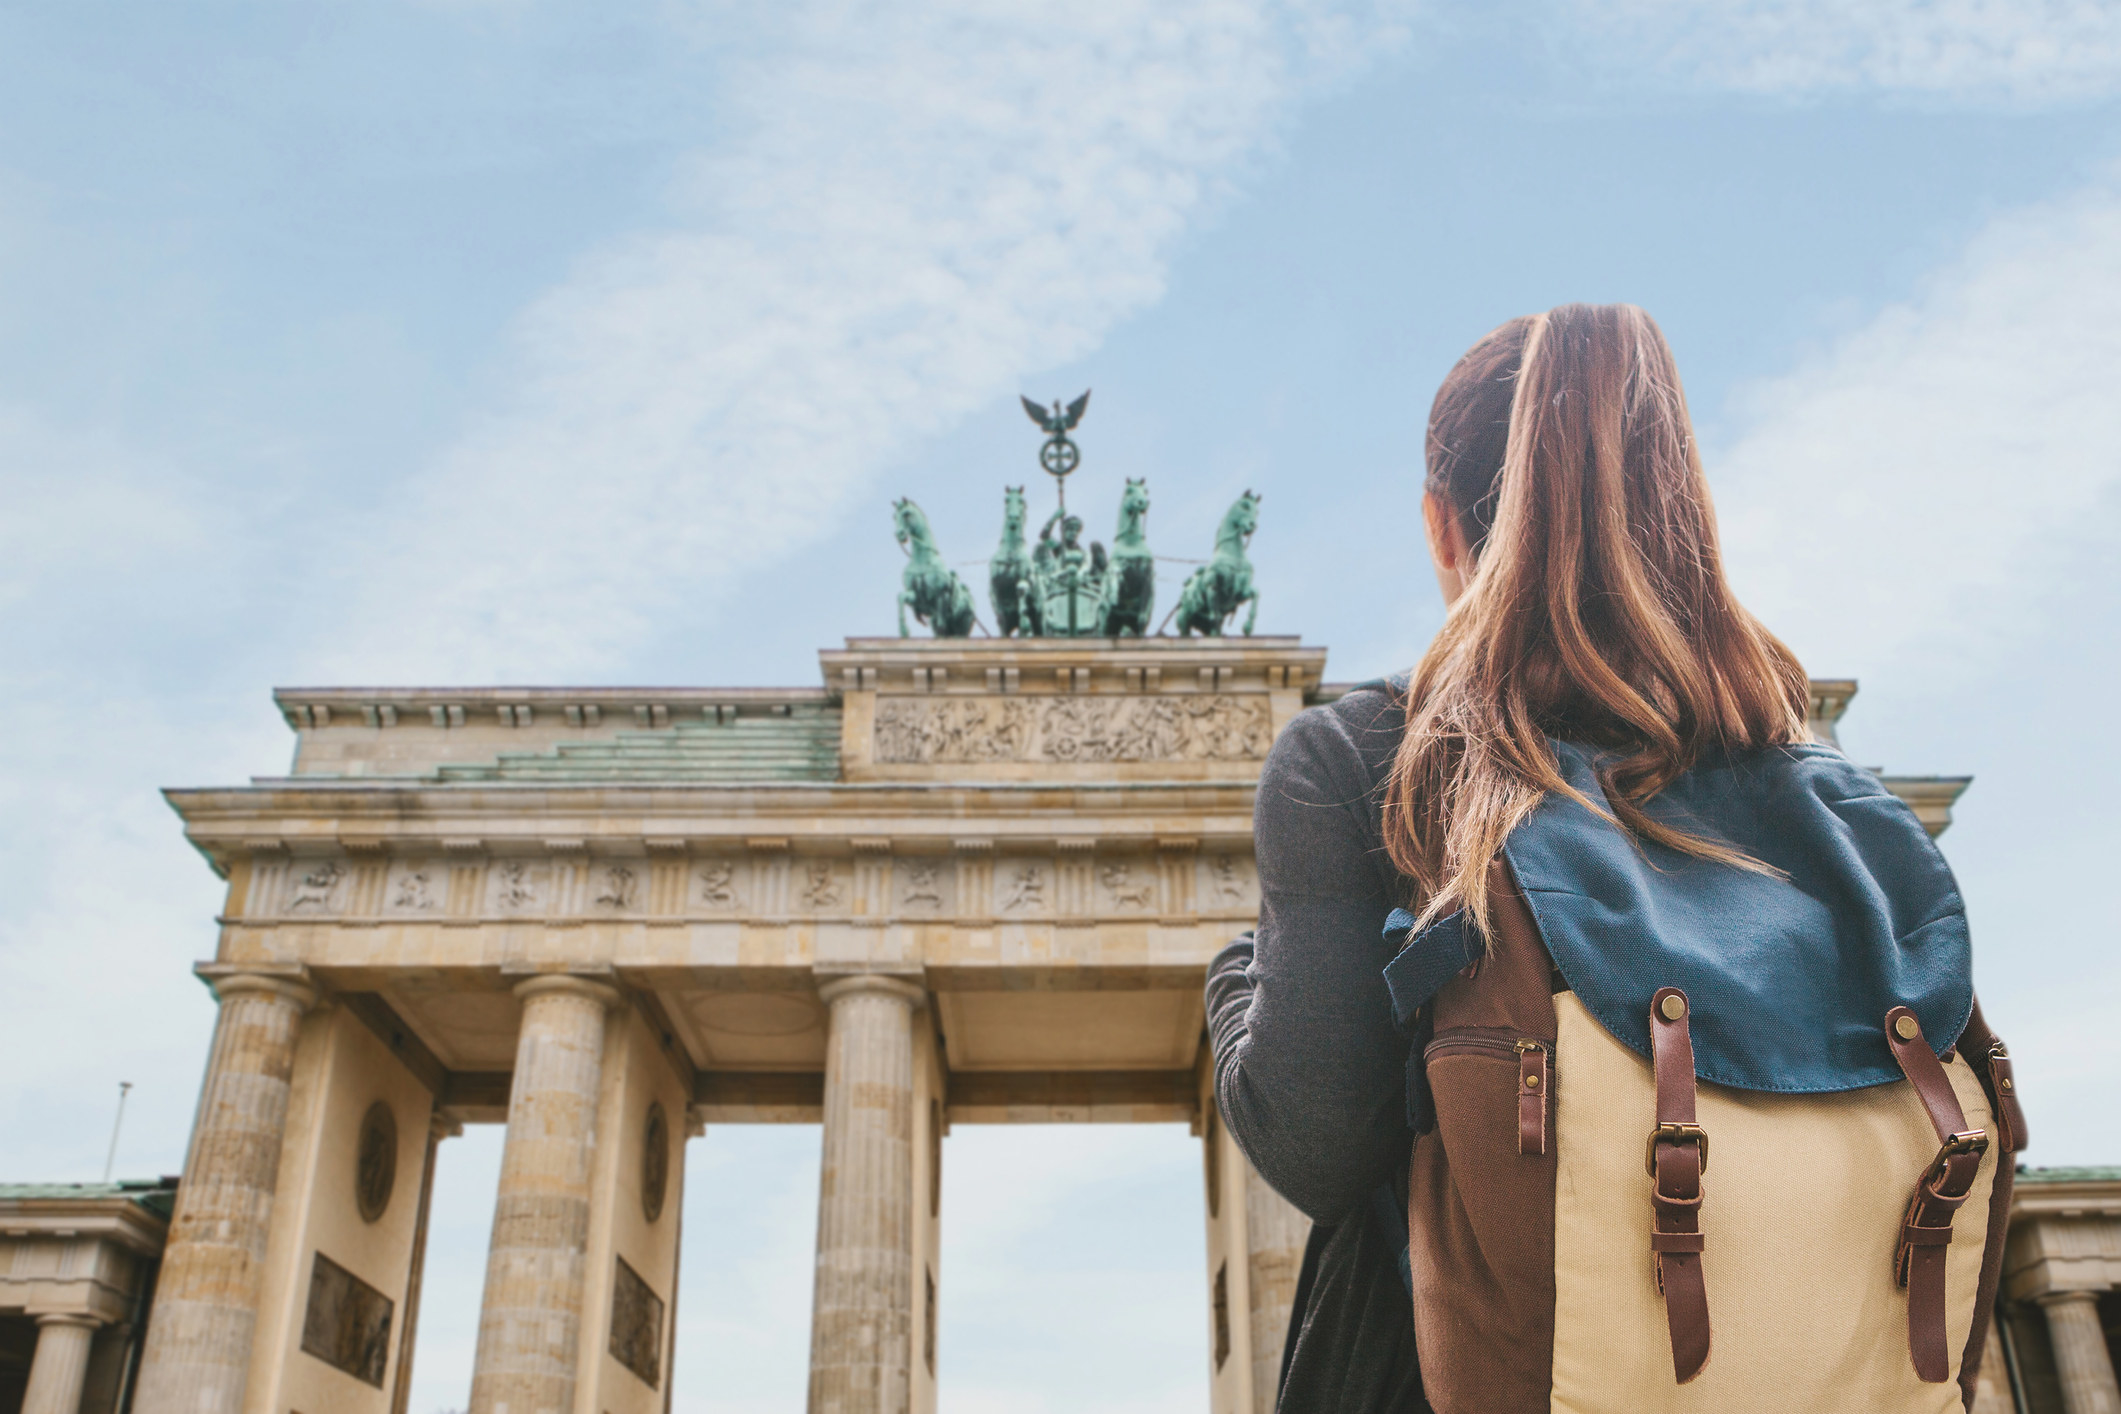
(1576, 1072)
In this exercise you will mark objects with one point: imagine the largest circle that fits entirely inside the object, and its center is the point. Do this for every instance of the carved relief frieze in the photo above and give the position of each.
(319, 886)
(414, 887)
(615, 888)
(717, 885)
(820, 887)
(1227, 882)
(1023, 887)
(518, 887)
(1208, 727)
(923, 885)
(1128, 887)
(1079, 881)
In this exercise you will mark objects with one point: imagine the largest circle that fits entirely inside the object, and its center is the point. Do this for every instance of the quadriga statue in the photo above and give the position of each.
(1215, 590)
(931, 589)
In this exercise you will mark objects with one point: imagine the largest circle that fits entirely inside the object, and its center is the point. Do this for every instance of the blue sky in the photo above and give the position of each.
(497, 340)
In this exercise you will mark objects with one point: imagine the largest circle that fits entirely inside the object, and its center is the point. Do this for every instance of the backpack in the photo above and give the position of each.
(1570, 1249)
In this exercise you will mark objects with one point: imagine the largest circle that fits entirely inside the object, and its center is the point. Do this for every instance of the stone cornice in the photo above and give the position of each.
(632, 706)
(117, 1219)
(970, 665)
(2073, 1198)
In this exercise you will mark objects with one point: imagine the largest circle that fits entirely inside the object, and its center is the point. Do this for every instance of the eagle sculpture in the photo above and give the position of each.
(1059, 422)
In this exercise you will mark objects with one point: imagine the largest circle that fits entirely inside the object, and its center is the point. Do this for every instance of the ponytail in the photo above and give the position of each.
(1597, 610)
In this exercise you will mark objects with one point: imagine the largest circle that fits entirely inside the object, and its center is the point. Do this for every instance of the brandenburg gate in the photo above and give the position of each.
(961, 881)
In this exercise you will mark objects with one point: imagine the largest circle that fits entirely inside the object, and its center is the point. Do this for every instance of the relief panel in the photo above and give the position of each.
(317, 886)
(1227, 883)
(347, 1322)
(821, 886)
(924, 887)
(415, 888)
(518, 888)
(1126, 886)
(1209, 727)
(636, 1325)
(615, 886)
(718, 885)
(1023, 888)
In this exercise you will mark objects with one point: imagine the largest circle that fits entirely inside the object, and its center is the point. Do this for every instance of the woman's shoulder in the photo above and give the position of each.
(1344, 744)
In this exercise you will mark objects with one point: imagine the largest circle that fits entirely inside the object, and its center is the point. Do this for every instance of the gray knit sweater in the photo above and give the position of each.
(1310, 1068)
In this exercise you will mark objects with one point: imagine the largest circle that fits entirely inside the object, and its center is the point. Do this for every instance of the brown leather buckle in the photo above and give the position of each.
(1683, 1133)
(1973, 1141)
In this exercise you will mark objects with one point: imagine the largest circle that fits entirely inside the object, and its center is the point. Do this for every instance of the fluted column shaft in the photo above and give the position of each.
(59, 1369)
(530, 1323)
(1275, 1233)
(199, 1337)
(2084, 1364)
(862, 1313)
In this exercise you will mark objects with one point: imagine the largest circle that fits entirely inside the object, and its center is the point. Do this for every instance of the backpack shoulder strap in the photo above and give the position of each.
(1678, 1155)
(1926, 1230)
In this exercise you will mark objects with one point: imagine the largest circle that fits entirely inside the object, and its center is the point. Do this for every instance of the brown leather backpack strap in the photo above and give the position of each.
(1533, 1082)
(1985, 1050)
(1678, 1155)
(1926, 1227)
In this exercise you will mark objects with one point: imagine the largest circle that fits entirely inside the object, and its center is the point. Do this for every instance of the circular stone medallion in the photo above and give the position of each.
(655, 1163)
(376, 1161)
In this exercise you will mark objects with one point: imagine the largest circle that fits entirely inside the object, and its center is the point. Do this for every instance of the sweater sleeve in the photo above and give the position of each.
(1309, 1066)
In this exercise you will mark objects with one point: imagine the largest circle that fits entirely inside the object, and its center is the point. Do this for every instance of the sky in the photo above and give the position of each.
(481, 341)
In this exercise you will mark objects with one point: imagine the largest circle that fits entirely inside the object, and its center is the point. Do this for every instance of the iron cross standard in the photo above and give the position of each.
(1059, 456)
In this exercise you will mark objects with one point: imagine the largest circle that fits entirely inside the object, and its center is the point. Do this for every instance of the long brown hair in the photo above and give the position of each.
(1597, 609)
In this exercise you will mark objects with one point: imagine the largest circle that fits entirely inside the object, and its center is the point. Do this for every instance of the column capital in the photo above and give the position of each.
(832, 987)
(84, 1319)
(234, 979)
(2090, 1295)
(568, 984)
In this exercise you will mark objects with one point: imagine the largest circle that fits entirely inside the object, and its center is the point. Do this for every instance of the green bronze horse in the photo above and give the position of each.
(1009, 577)
(1214, 591)
(932, 590)
(1130, 582)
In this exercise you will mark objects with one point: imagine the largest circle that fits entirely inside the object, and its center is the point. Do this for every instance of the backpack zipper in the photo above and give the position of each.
(1534, 1074)
(1480, 1040)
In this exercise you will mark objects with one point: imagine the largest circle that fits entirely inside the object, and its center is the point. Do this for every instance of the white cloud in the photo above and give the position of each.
(1912, 480)
(2013, 50)
(921, 204)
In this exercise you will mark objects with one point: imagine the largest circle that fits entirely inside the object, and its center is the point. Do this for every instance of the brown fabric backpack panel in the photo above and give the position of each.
(1480, 1211)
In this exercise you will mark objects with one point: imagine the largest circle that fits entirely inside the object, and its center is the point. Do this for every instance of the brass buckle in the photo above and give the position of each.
(1973, 1141)
(1680, 1134)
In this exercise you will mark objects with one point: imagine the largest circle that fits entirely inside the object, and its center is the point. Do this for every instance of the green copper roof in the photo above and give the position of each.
(157, 1195)
(2095, 1174)
(800, 743)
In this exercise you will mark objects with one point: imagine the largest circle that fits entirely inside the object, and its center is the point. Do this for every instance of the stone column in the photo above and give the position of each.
(2082, 1362)
(199, 1337)
(438, 1129)
(529, 1325)
(862, 1316)
(1275, 1233)
(59, 1369)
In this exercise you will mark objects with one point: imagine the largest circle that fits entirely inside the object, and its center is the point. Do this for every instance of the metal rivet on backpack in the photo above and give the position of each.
(1673, 1007)
(2006, 1082)
(1531, 1082)
(1907, 1028)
